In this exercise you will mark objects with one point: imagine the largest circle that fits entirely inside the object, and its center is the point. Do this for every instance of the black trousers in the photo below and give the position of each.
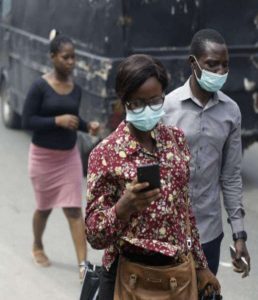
(212, 253)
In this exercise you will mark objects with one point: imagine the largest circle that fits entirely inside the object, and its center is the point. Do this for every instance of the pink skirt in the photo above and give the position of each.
(56, 177)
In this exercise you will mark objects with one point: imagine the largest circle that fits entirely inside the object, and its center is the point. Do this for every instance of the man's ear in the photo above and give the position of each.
(191, 59)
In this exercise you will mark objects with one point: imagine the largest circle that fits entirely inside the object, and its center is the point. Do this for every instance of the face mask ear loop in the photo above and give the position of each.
(197, 62)
(198, 67)
(195, 75)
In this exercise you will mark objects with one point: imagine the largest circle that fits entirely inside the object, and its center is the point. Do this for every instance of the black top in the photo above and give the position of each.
(41, 107)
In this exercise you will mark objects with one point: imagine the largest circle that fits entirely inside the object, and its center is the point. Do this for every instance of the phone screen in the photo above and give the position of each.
(149, 173)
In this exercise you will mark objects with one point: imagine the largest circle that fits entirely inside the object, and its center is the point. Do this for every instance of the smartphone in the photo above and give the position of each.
(149, 173)
(242, 263)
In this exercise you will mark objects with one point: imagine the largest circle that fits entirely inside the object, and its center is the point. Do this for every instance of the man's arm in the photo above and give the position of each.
(231, 184)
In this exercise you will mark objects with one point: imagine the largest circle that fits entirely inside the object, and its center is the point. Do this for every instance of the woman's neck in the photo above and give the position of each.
(143, 137)
(64, 78)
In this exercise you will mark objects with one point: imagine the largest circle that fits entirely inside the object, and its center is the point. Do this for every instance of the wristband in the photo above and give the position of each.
(241, 235)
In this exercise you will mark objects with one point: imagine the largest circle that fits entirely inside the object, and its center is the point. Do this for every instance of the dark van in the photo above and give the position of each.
(105, 31)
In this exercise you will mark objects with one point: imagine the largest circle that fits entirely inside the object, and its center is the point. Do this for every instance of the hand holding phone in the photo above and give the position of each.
(138, 194)
(241, 265)
(149, 173)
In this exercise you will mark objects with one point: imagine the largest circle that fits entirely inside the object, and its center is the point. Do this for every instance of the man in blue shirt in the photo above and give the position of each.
(211, 122)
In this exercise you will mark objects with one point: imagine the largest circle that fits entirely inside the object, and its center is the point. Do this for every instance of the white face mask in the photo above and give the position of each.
(209, 81)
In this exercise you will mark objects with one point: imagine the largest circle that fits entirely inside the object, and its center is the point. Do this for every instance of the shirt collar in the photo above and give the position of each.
(186, 93)
(127, 142)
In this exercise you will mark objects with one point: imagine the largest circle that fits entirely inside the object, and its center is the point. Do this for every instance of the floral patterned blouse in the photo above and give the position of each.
(159, 228)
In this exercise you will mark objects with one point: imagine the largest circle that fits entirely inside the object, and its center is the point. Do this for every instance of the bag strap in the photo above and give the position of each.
(188, 226)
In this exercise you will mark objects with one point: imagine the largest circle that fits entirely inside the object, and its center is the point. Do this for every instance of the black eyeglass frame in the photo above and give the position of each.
(140, 109)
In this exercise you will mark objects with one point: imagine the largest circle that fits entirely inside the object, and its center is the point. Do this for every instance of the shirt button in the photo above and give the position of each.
(203, 129)
(201, 148)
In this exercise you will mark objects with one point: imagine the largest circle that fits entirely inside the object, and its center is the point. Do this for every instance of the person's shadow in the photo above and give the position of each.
(63, 266)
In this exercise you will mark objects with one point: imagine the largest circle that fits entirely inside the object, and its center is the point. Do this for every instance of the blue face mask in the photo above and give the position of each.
(145, 120)
(209, 81)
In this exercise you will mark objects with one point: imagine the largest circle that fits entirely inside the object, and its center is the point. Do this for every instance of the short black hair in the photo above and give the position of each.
(134, 70)
(201, 37)
(57, 42)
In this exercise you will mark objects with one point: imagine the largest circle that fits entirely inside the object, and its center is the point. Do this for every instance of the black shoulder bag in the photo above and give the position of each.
(90, 286)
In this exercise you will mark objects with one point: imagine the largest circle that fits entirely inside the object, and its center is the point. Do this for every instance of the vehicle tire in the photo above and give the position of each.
(9, 117)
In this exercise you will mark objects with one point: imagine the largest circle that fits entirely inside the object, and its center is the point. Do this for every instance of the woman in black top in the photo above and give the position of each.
(51, 112)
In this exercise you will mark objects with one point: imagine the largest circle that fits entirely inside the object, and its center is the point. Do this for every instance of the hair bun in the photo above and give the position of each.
(53, 34)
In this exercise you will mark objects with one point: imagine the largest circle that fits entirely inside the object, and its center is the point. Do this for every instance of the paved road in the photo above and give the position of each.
(21, 279)
(233, 286)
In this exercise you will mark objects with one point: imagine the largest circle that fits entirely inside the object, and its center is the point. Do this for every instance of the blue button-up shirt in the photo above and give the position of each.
(213, 133)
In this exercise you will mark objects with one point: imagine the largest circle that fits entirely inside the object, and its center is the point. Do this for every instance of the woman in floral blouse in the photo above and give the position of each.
(147, 227)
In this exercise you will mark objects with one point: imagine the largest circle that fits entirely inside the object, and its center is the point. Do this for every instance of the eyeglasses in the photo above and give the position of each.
(137, 106)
